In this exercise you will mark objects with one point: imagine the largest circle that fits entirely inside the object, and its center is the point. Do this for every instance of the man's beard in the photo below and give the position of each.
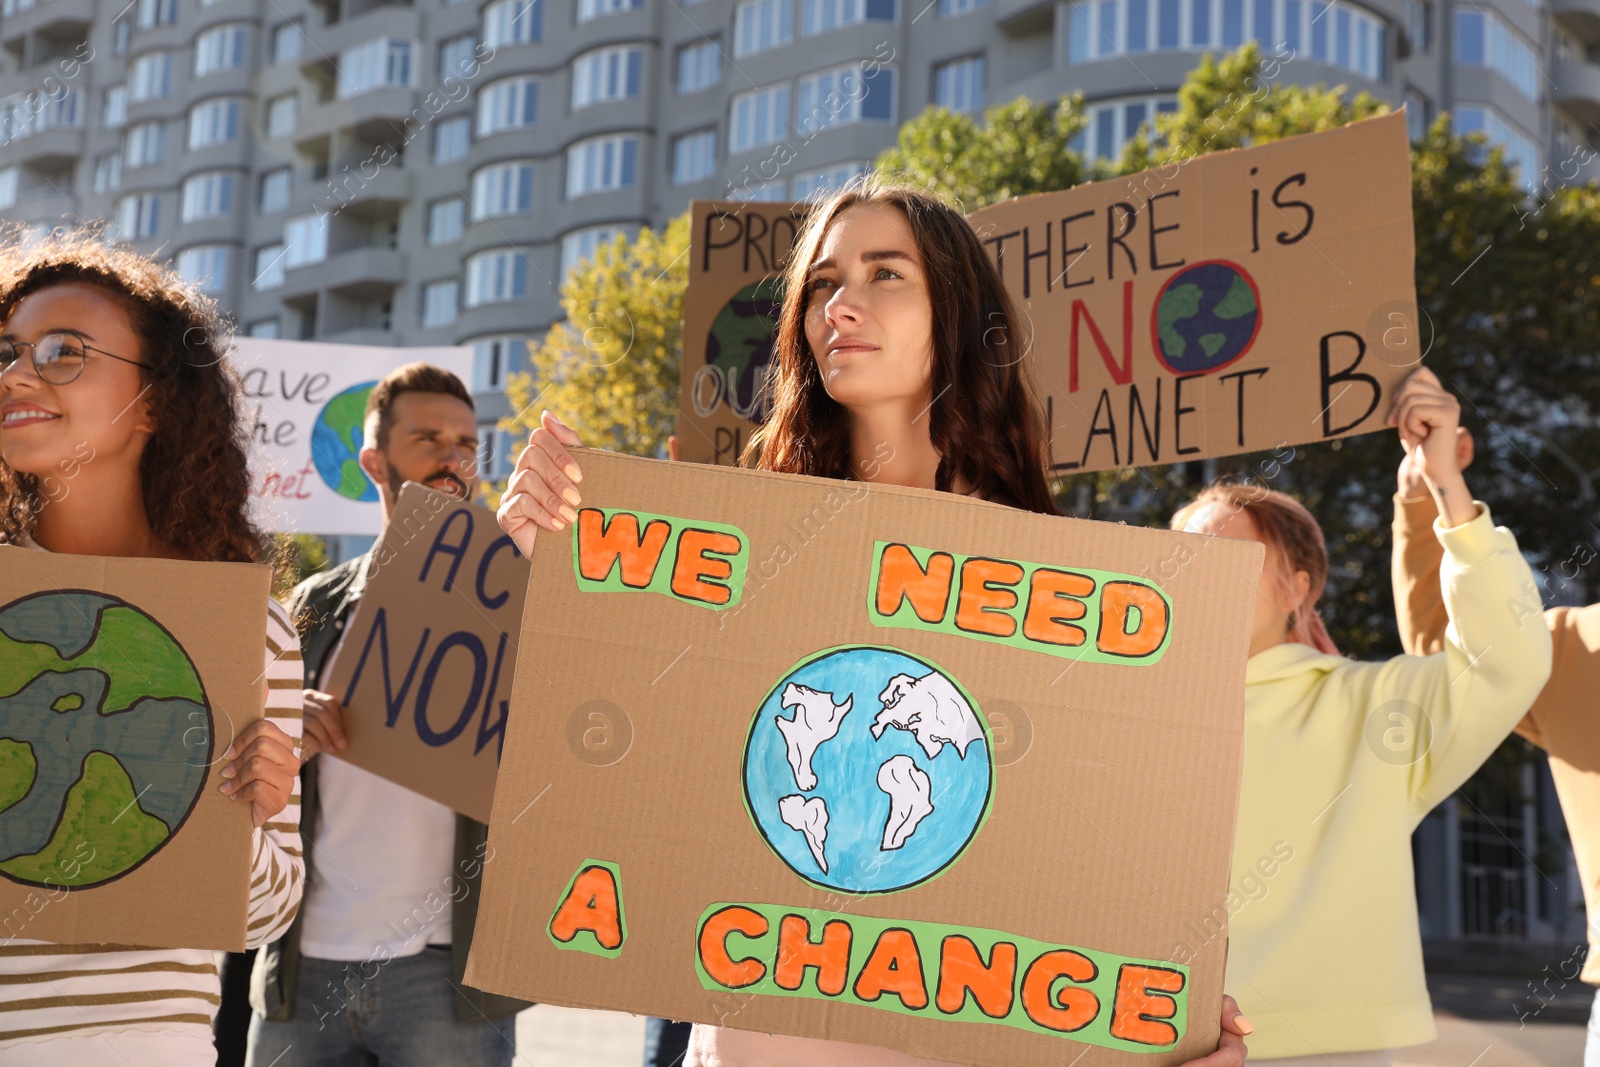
(395, 481)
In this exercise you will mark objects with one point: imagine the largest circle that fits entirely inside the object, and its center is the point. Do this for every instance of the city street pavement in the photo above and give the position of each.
(569, 1037)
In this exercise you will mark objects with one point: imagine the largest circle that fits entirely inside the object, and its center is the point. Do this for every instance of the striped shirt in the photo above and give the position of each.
(160, 1002)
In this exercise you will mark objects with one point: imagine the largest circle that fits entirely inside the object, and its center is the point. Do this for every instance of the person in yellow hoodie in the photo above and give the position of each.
(1343, 759)
(1564, 720)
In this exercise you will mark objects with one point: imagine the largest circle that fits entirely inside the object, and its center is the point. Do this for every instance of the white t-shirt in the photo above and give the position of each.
(381, 883)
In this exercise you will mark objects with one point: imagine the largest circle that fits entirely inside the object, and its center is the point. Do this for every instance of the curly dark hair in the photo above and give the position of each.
(986, 422)
(194, 471)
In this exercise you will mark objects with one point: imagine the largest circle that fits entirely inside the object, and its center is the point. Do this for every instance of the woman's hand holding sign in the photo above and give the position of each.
(324, 724)
(543, 490)
(261, 769)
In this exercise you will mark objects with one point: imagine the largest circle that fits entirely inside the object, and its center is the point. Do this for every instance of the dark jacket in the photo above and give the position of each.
(320, 605)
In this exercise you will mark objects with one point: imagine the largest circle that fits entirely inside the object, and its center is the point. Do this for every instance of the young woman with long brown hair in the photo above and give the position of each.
(120, 436)
(898, 361)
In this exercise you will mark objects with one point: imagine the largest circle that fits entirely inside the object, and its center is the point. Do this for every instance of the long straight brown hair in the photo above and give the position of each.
(985, 422)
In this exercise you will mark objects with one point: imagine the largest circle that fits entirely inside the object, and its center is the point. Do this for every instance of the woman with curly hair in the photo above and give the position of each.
(120, 436)
(898, 361)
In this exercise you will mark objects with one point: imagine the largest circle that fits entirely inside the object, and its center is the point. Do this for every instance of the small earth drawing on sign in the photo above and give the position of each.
(868, 770)
(1205, 317)
(336, 444)
(740, 345)
(105, 738)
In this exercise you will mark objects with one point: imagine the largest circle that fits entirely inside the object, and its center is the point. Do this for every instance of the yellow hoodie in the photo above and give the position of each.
(1342, 761)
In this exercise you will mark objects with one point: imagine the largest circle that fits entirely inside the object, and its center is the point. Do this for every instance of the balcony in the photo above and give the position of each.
(45, 205)
(1022, 18)
(1582, 17)
(378, 115)
(386, 20)
(1577, 89)
(359, 274)
(351, 192)
(20, 19)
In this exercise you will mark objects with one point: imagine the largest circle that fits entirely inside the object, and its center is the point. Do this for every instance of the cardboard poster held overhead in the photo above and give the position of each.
(1237, 302)
(876, 764)
(122, 682)
(304, 405)
(425, 664)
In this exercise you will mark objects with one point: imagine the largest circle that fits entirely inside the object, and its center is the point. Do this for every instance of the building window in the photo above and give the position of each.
(207, 196)
(214, 122)
(1113, 122)
(508, 104)
(205, 267)
(1483, 40)
(821, 182)
(219, 49)
(699, 66)
(605, 75)
(601, 165)
(513, 22)
(458, 58)
(265, 328)
(492, 359)
(440, 301)
(154, 13)
(108, 172)
(503, 189)
(274, 192)
(581, 245)
(820, 16)
(286, 41)
(1419, 114)
(760, 117)
(593, 9)
(762, 24)
(384, 62)
(451, 139)
(9, 177)
(306, 241)
(1519, 150)
(958, 85)
(497, 277)
(694, 157)
(151, 77)
(138, 216)
(446, 220)
(843, 95)
(1339, 35)
(769, 191)
(281, 115)
(122, 36)
(146, 145)
(949, 9)
(114, 107)
(1419, 24)
(268, 272)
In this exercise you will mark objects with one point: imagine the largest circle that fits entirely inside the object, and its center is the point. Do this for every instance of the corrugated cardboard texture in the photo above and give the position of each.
(449, 587)
(193, 890)
(1317, 229)
(1112, 818)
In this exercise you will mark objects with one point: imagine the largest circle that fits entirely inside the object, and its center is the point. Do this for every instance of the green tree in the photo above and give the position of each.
(610, 369)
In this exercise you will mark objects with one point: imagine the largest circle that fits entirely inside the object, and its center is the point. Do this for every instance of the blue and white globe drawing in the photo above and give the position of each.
(868, 770)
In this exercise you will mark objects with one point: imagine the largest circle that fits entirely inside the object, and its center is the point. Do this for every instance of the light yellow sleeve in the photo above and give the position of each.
(1495, 660)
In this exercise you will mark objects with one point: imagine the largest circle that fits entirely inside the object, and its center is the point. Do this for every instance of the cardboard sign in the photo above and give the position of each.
(122, 682)
(1237, 302)
(425, 663)
(304, 406)
(874, 764)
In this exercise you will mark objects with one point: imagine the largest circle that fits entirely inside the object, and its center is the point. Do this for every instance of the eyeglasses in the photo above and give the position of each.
(58, 357)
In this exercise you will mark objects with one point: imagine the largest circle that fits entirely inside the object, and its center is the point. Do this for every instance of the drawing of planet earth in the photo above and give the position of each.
(740, 344)
(336, 444)
(868, 769)
(105, 738)
(1205, 317)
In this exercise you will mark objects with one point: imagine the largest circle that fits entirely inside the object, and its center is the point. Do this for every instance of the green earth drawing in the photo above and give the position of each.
(740, 345)
(1205, 317)
(105, 738)
(336, 444)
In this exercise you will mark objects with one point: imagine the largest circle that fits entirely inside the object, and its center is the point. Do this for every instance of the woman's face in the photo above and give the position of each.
(1276, 600)
(47, 430)
(869, 322)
